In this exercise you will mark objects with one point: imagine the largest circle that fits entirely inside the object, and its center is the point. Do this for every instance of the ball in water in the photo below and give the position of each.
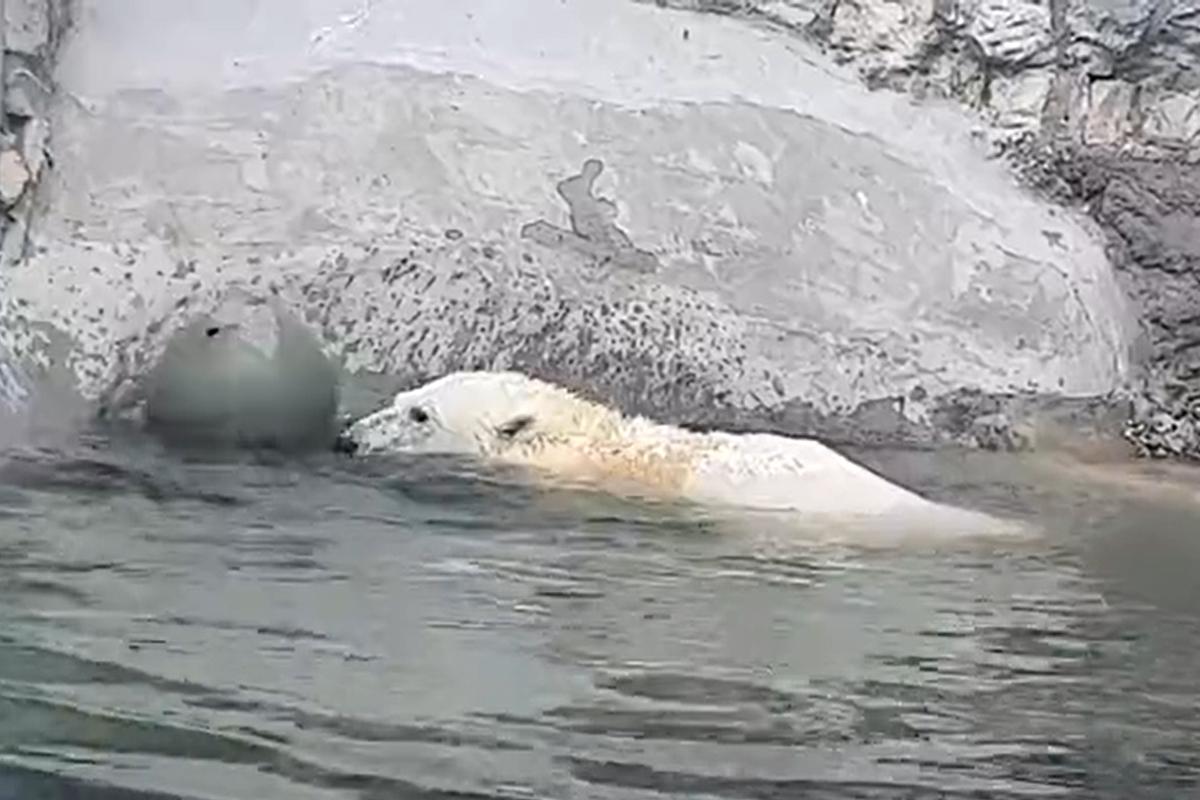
(216, 385)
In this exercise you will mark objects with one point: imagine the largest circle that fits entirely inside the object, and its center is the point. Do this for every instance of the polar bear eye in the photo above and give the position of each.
(514, 426)
(418, 415)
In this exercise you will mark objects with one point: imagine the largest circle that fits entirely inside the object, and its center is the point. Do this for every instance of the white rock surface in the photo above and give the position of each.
(14, 176)
(978, 51)
(26, 25)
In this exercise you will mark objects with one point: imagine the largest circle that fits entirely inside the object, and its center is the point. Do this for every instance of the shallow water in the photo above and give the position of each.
(191, 627)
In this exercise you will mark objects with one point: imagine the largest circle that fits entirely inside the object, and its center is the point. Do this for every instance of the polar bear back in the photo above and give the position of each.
(768, 471)
(513, 418)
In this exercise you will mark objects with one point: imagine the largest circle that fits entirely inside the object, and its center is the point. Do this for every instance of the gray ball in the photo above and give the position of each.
(255, 381)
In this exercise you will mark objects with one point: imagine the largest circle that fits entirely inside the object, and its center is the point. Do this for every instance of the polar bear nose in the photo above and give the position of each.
(344, 443)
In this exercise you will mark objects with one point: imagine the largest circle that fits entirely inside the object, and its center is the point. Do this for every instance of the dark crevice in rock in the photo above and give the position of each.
(1149, 210)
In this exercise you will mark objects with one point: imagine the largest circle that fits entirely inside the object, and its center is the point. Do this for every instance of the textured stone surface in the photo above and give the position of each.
(710, 246)
(1097, 102)
(1150, 208)
(26, 25)
(14, 177)
(1106, 72)
(30, 32)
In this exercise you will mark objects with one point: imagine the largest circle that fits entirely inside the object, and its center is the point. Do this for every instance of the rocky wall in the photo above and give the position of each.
(31, 32)
(696, 215)
(677, 213)
(1095, 103)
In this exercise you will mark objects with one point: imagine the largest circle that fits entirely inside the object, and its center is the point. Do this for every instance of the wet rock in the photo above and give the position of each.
(14, 177)
(1097, 105)
(1149, 207)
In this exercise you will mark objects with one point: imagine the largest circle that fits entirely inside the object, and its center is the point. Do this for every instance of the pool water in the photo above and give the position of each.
(176, 625)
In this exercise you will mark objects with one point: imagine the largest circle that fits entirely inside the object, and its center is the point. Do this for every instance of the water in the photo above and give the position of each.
(176, 626)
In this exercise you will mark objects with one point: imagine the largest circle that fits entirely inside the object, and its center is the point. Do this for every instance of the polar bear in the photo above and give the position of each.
(511, 418)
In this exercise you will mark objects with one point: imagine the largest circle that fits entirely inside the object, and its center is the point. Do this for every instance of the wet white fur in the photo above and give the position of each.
(515, 419)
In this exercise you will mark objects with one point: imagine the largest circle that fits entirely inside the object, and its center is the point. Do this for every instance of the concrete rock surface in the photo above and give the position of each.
(1100, 71)
(691, 214)
(1097, 102)
(749, 238)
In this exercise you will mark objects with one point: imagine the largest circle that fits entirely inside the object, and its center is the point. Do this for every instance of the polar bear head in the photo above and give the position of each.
(478, 413)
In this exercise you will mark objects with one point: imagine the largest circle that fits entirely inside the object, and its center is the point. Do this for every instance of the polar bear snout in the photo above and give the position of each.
(372, 433)
(403, 427)
(345, 443)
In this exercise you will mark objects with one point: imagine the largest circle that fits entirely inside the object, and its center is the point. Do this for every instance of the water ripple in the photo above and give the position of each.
(203, 628)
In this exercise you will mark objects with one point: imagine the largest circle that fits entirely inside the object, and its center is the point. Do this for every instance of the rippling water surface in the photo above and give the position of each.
(208, 628)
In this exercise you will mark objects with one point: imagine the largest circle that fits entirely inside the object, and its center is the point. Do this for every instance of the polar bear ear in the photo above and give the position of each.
(513, 427)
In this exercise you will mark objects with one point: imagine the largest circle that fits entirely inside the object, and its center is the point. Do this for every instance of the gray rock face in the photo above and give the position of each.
(698, 259)
(30, 34)
(736, 234)
(1098, 102)
(1098, 71)
(1150, 209)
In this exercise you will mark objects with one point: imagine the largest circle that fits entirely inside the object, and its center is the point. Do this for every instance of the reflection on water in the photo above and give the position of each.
(191, 627)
